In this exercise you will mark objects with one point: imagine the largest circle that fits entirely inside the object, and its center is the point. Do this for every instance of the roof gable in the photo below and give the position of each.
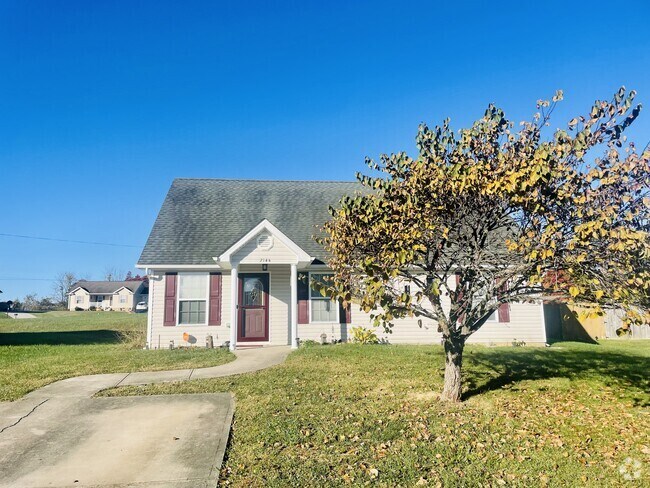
(123, 288)
(248, 247)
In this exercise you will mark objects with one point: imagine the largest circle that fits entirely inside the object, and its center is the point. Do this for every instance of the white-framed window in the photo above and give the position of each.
(122, 298)
(321, 309)
(79, 299)
(193, 298)
(494, 316)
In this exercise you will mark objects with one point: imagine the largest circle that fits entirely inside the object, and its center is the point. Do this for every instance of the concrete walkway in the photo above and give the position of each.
(59, 435)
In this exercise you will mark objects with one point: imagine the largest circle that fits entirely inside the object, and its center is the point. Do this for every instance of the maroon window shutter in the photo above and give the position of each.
(170, 299)
(345, 313)
(303, 298)
(504, 312)
(215, 299)
(504, 308)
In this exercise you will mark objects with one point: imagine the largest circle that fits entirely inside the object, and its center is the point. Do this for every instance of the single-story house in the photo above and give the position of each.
(233, 259)
(104, 295)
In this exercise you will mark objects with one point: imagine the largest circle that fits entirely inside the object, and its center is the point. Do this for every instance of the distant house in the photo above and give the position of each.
(105, 295)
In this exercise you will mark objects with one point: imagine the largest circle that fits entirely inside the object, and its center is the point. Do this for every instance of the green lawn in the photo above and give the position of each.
(57, 345)
(569, 415)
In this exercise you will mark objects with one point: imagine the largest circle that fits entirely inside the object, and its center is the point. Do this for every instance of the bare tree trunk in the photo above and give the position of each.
(454, 346)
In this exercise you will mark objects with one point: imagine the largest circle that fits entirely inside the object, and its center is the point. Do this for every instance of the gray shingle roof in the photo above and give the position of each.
(202, 218)
(106, 287)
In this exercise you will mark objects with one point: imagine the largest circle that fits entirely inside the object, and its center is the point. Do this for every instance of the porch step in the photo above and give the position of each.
(249, 346)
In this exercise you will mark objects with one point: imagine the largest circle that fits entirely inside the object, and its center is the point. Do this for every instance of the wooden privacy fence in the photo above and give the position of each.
(565, 322)
(614, 320)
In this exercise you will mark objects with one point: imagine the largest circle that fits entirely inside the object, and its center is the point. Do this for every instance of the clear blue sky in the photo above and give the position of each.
(103, 103)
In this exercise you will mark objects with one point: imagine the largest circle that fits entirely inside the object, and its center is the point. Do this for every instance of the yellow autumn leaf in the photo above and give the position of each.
(574, 291)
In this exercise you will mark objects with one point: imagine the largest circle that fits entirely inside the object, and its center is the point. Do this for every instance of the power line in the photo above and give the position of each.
(69, 240)
(27, 279)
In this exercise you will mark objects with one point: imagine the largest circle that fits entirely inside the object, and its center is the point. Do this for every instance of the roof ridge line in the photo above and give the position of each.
(264, 180)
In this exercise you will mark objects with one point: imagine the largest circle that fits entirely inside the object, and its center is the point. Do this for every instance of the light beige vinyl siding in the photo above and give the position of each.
(279, 324)
(526, 324)
(251, 254)
(280, 311)
(312, 332)
(526, 320)
(161, 335)
(405, 331)
(117, 305)
(72, 300)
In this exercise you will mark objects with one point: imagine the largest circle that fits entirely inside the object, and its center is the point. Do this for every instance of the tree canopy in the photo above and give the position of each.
(496, 214)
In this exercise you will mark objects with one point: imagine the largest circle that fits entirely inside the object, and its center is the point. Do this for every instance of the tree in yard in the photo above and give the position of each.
(485, 217)
(62, 284)
(30, 302)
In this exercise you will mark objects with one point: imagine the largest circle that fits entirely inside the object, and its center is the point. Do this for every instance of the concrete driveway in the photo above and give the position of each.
(59, 436)
(21, 315)
(166, 441)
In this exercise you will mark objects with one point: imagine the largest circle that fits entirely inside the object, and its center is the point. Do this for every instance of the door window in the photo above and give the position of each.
(253, 292)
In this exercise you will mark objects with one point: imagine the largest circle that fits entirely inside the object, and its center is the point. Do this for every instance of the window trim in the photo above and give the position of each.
(193, 299)
(123, 297)
(78, 299)
(336, 307)
(495, 313)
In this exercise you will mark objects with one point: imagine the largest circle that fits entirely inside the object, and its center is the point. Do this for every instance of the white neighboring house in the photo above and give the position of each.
(232, 259)
(107, 295)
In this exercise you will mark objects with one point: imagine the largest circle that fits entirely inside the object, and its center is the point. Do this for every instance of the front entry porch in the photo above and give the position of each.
(255, 294)
(263, 302)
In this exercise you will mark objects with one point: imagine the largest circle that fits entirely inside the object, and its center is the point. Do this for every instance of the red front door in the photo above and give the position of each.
(253, 323)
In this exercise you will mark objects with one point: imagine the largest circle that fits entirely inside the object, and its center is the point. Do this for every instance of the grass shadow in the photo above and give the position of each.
(61, 338)
(494, 370)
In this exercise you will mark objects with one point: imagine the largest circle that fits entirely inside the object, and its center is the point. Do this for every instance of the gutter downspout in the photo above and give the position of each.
(149, 310)
(234, 309)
